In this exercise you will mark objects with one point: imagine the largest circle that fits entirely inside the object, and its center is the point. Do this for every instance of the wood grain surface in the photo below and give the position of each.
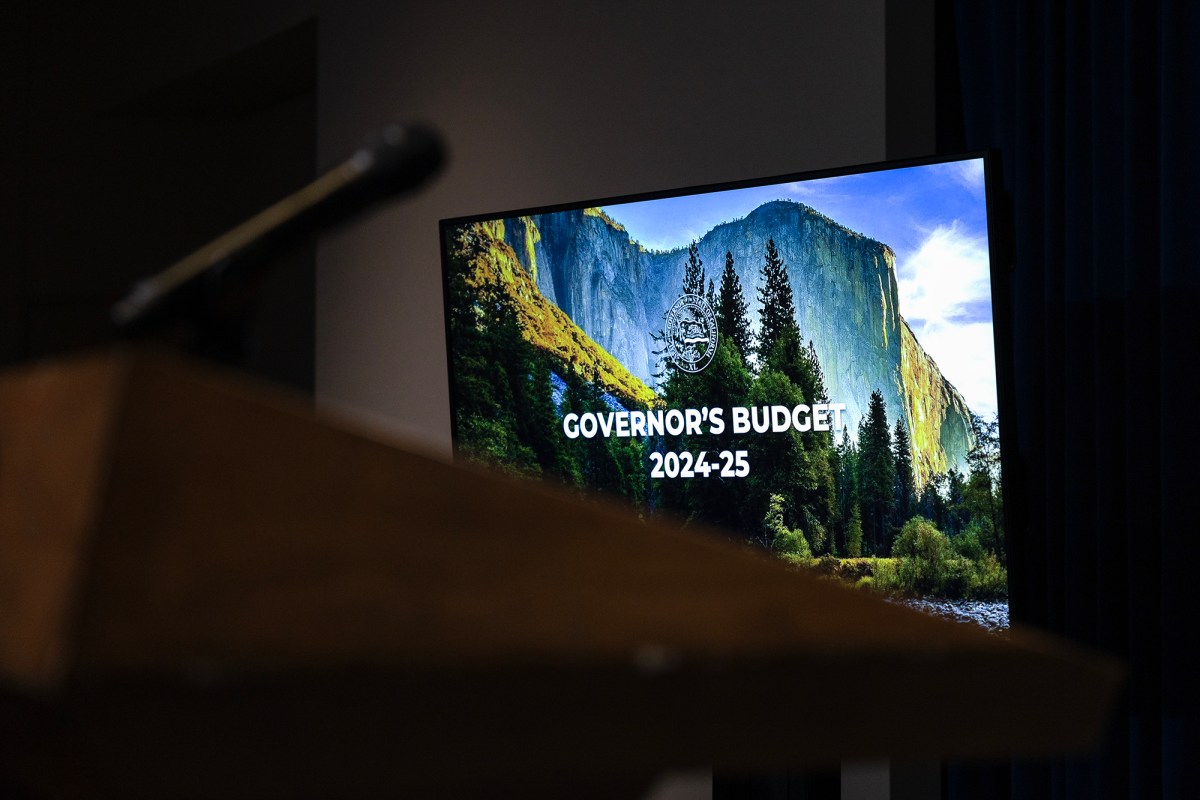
(207, 590)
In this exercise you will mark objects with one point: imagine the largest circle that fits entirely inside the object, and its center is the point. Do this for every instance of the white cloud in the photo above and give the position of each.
(966, 356)
(970, 174)
(802, 188)
(945, 291)
(836, 187)
(945, 275)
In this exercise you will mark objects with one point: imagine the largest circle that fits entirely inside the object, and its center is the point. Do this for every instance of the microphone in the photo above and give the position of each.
(396, 160)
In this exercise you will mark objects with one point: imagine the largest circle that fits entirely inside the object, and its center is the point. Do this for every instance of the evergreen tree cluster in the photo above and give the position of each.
(505, 414)
(880, 487)
(844, 498)
(793, 480)
(806, 494)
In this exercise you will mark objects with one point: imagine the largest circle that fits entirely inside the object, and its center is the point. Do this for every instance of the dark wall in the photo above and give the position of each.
(15, 92)
(127, 146)
(134, 134)
(547, 102)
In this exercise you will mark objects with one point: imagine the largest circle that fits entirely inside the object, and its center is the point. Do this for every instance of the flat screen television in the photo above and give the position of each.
(807, 361)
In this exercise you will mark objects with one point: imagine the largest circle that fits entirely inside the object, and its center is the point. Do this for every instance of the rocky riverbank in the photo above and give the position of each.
(990, 614)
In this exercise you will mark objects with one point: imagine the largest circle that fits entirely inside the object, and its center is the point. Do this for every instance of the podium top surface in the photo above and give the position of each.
(164, 524)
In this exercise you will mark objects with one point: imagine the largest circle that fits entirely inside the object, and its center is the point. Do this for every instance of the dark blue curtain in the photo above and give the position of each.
(1095, 110)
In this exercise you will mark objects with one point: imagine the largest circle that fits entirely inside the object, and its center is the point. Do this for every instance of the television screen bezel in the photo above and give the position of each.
(1000, 262)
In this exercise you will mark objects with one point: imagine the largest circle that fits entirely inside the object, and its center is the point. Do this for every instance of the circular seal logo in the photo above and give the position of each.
(691, 333)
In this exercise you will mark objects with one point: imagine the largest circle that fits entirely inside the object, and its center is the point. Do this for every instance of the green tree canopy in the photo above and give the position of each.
(846, 474)
(724, 384)
(982, 494)
(777, 306)
(876, 474)
(854, 533)
(693, 271)
(777, 536)
(902, 449)
(779, 462)
(925, 556)
(732, 308)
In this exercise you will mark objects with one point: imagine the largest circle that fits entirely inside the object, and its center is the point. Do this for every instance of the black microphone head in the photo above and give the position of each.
(410, 151)
(394, 160)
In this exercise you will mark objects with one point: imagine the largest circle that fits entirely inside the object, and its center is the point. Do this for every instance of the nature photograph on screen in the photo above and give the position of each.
(807, 363)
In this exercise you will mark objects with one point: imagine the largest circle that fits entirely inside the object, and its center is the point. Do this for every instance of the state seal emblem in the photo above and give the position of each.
(691, 333)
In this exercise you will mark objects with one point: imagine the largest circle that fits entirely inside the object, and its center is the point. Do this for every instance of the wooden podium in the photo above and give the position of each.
(207, 591)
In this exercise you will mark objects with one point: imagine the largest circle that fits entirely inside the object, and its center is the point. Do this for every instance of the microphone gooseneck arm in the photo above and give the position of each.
(396, 160)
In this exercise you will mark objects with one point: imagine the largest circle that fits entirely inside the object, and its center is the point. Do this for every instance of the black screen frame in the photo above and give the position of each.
(1001, 268)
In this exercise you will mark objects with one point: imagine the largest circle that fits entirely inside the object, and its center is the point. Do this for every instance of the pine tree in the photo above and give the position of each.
(782, 351)
(847, 487)
(492, 363)
(799, 363)
(854, 533)
(814, 487)
(723, 384)
(815, 391)
(467, 351)
(482, 389)
(782, 464)
(837, 521)
(905, 493)
(540, 427)
(787, 356)
(693, 271)
(778, 307)
(876, 474)
(932, 505)
(957, 516)
(731, 309)
(982, 491)
(984, 455)
(599, 464)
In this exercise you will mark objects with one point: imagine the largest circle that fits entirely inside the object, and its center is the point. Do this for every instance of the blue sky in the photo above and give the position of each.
(933, 217)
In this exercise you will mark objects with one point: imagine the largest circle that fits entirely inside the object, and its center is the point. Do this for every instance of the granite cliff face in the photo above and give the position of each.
(846, 302)
(845, 291)
(543, 322)
(939, 421)
(586, 264)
